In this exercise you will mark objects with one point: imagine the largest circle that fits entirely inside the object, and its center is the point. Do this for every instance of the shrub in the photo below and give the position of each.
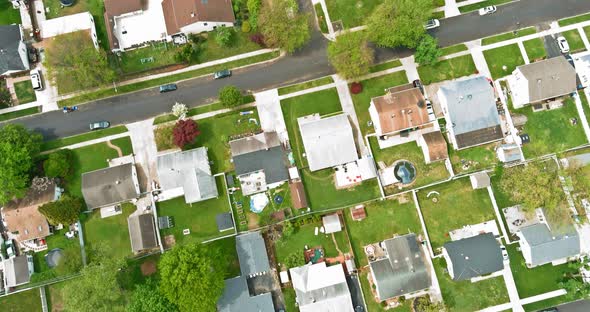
(164, 138)
(58, 164)
(246, 27)
(258, 38)
(356, 88)
(295, 259)
(230, 96)
(224, 36)
(179, 110)
(185, 131)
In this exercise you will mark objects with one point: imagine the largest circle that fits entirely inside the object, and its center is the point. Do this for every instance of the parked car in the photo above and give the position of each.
(168, 87)
(432, 23)
(487, 10)
(505, 254)
(99, 125)
(570, 60)
(222, 74)
(36, 80)
(418, 84)
(564, 47)
(430, 110)
(10, 249)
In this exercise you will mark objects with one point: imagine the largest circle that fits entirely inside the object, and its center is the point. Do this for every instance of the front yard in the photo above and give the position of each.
(503, 61)
(447, 69)
(574, 40)
(109, 235)
(351, 13)
(535, 49)
(24, 92)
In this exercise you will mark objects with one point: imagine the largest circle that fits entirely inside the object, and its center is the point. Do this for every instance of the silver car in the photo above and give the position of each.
(99, 125)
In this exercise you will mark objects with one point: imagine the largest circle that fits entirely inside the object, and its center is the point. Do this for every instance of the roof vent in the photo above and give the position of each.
(117, 182)
(466, 257)
(420, 104)
(469, 96)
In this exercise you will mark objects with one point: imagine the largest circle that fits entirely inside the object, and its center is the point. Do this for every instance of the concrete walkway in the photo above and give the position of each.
(145, 150)
(584, 38)
(348, 107)
(410, 67)
(451, 9)
(43, 295)
(525, 56)
(498, 214)
(511, 288)
(331, 34)
(480, 61)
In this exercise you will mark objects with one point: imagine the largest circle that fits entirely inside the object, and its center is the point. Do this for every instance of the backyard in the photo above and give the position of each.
(70, 249)
(508, 57)
(8, 15)
(108, 235)
(24, 92)
(25, 301)
(473, 158)
(351, 13)
(246, 219)
(447, 69)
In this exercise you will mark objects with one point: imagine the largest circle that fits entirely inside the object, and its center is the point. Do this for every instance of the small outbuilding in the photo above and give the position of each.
(331, 223)
(142, 232)
(480, 180)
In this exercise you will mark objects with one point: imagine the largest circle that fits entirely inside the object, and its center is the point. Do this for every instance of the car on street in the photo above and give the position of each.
(487, 10)
(222, 74)
(564, 47)
(432, 23)
(168, 87)
(36, 80)
(99, 125)
(504, 254)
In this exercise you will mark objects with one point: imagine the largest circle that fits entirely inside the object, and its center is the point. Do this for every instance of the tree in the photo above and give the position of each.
(283, 26)
(230, 96)
(397, 23)
(185, 131)
(351, 55)
(192, 276)
(575, 288)
(73, 61)
(188, 54)
(423, 304)
(5, 98)
(179, 110)
(148, 298)
(18, 148)
(253, 10)
(294, 259)
(427, 52)
(59, 164)
(224, 36)
(65, 210)
(70, 263)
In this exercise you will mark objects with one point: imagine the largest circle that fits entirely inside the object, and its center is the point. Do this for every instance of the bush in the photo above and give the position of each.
(230, 96)
(295, 259)
(253, 9)
(224, 36)
(246, 27)
(58, 164)
(164, 137)
(185, 131)
(356, 88)
(258, 38)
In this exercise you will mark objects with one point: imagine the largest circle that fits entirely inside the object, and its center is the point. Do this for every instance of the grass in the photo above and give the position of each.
(587, 31)
(24, 92)
(372, 88)
(199, 217)
(535, 49)
(479, 5)
(8, 15)
(130, 61)
(385, 219)
(305, 85)
(49, 145)
(70, 247)
(385, 65)
(574, 40)
(25, 301)
(305, 236)
(503, 199)
(109, 234)
(20, 113)
(458, 205)
(201, 109)
(108, 92)
(351, 13)
(425, 173)
(453, 49)
(257, 220)
(585, 105)
(477, 157)
(574, 20)
(304, 105)
(509, 35)
(321, 18)
(447, 69)
(289, 296)
(509, 56)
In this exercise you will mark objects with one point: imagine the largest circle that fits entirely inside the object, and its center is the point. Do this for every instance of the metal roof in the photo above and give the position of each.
(547, 246)
(109, 186)
(474, 256)
(236, 298)
(252, 253)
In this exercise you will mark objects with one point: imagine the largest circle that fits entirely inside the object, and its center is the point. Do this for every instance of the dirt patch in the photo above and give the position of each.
(148, 268)
(252, 221)
(116, 148)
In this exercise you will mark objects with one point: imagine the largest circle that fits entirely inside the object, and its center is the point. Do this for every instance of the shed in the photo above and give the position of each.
(358, 212)
(142, 232)
(331, 223)
(480, 180)
(224, 221)
(298, 197)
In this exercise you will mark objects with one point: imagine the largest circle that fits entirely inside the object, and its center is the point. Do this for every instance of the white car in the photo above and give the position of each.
(432, 23)
(487, 10)
(505, 254)
(564, 47)
(36, 80)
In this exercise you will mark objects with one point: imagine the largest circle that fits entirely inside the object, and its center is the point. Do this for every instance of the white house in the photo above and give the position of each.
(540, 245)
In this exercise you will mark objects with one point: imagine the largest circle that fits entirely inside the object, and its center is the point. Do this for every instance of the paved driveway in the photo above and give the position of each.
(551, 46)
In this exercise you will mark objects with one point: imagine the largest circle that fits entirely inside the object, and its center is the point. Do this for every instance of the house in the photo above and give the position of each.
(142, 232)
(320, 288)
(110, 186)
(260, 162)
(473, 256)
(22, 217)
(540, 245)
(402, 270)
(14, 57)
(68, 24)
(543, 80)
(328, 142)
(252, 254)
(400, 109)
(469, 107)
(331, 223)
(195, 16)
(188, 174)
(433, 146)
(480, 180)
(18, 270)
(236, 298)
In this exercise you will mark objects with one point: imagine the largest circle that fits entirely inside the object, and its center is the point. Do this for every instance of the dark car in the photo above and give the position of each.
(99, 125)
(222, 74)
(418, 84)
(168, 87)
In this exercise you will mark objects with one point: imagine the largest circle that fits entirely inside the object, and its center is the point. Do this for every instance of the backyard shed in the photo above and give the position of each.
(142, 232)
(298, 197)
(480, 180)
(358, 212)
(331, 223)
(224, 221)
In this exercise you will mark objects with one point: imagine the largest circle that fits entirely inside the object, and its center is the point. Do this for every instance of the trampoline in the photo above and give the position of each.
(278, 199)
(66, 3)
(54, 257)
(405, 172)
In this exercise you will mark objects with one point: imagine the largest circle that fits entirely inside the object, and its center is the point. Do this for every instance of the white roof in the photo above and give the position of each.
(328, 141)
(66, 24)
(332, 223)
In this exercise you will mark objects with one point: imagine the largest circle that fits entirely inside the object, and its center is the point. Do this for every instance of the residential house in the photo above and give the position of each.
(469, 107)
(18, 270)
(110, 186)
(473, 257)
(14, 57)
(321, 288)
(328, 142)
(541, 245)
(434, 146)
(142, 232)
(252, 254)
(260, 162)
(402, 270)
(68, 24)
(540, 81)
(195, 16)
(188, 174)
(236, 298)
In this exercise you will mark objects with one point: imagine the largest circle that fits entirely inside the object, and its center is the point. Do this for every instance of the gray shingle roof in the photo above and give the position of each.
(474, 256)
(236, 298)
(252, 254)
(224, 221)
(547, 246)
(16, 271)
(261, 152)
(549, 78)
(10, 42)
(142, 232)
(403, 271)
(109, 186)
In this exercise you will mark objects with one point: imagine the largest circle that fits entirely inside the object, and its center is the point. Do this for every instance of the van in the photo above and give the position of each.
(36, 80)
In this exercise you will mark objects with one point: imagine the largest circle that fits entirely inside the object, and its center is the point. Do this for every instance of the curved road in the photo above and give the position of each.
(309, 63)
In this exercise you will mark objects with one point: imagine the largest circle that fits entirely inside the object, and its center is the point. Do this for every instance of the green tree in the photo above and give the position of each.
(224, 36)
(575, 288)
(70, 263)
(427, 52)
(18, 149)
(192, 276)
(59, 164)
(351, 55)
(188, 53)
(295, 259)
(283, 26)
(253, 10)
(423, 304)
(148, 298)
(396, 23)
(64, 211)
(230, 96)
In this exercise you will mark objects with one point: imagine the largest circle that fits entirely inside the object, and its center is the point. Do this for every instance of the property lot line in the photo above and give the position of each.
(417, 205)
(498, 215)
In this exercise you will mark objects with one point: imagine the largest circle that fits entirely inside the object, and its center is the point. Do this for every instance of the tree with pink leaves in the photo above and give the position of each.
(185, 131)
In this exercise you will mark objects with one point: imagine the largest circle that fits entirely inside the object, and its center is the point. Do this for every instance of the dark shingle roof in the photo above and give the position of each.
(273, 161)
(10, 40)
(109, 186)
(142, 232)
(474, 256)
(236, 298)
(224, 221)
(252, 254)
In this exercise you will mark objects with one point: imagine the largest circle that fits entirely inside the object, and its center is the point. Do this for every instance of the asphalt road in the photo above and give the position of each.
(576, 306)
(309, 63)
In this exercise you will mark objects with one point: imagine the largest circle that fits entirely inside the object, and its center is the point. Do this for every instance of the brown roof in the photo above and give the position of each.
(401, 110)
(180, 13)
(437, 146)
(298, 195)
(358, 212)
(120, 7)
(477, 137)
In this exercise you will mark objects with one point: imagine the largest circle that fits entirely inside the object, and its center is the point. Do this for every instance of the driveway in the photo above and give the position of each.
(576, 306)
(551, 46)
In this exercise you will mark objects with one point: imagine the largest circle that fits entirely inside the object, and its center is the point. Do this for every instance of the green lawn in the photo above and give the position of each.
(454, 49)
(508, 35)
(305, 85)
(374, 87)
(290, 303)
(535, 49)
(24, 92)
(321, 18)
(385, 65)
(110, 234)
(201, 109)
(25, 301)
(447, 69)
(352, 13)
(587, 31)
(385, 219)
(49, 145)
(257, 220)
(70, 247)
(425, 173)
(467, 296)
(585, 105)
(473, 158)
(574, 20)
(130, 61)
(574, 40)
(8, 15)
(479, 5)
(551, 131)
(199, 217)
(509, 56)
(20, 113)
(458, 205)
(321, 102)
